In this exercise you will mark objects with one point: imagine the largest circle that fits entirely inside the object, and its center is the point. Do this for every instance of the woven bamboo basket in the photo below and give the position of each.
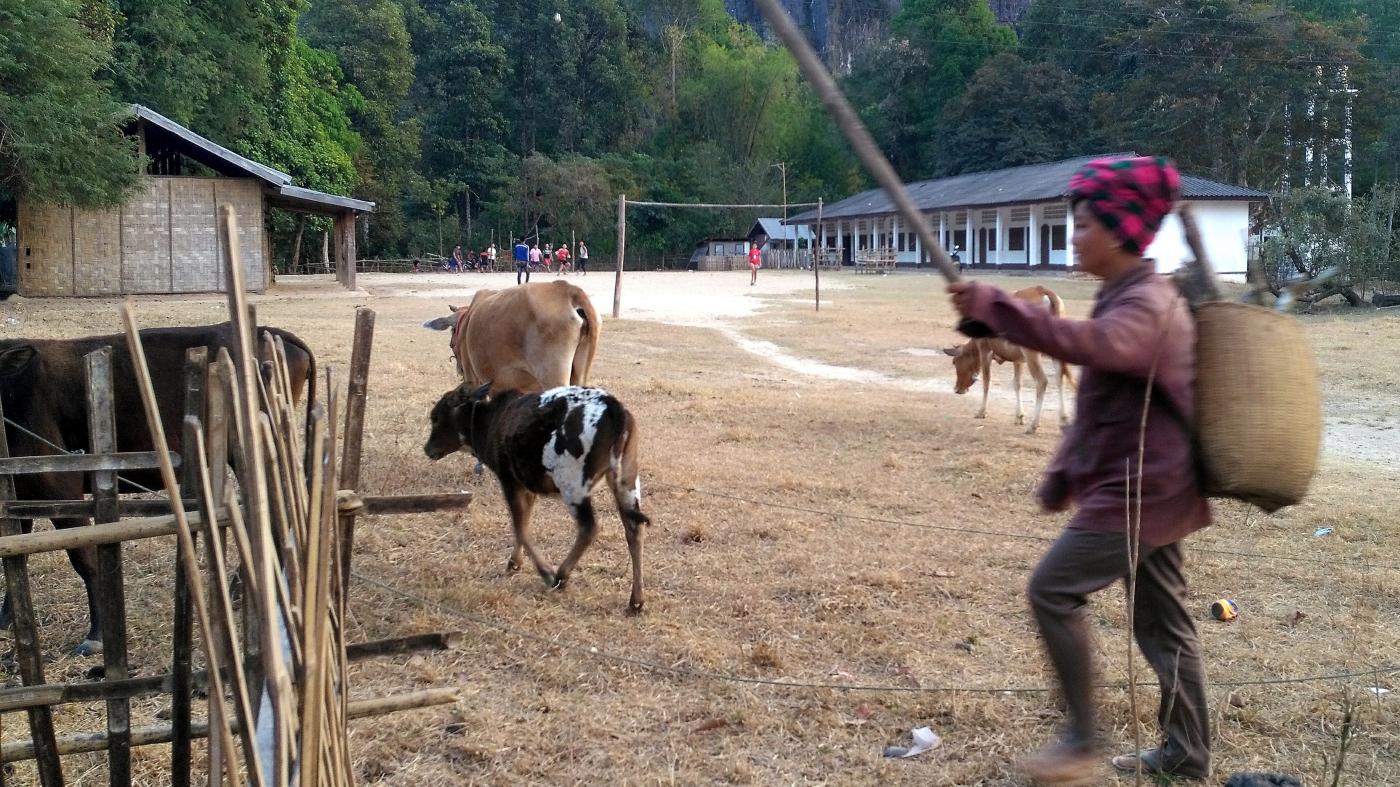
(1258, 404)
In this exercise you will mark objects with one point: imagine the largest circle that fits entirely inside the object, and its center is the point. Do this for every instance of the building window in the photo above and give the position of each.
(1057, 237)
(1016, 239)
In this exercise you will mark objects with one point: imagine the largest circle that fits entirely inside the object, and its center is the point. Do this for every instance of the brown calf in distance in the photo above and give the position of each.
(977, 355)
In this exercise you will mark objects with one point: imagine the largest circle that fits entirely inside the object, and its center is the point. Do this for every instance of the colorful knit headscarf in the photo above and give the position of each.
(1129, 196)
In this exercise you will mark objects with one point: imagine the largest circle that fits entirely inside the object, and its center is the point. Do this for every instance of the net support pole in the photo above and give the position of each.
(818, 246)
(621, 253)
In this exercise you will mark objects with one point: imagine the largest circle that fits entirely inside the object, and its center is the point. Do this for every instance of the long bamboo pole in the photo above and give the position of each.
(863, 144)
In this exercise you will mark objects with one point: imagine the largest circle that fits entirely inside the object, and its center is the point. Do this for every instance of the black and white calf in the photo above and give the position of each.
(562, 441)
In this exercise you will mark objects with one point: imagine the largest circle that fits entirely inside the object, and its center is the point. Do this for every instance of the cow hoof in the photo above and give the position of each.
(512, 566)
(1020, 420)
(982, 415)
(88, 647)
(1030, 429)
(560, 582)
(480, 469)
(550, 581)
(635, 607)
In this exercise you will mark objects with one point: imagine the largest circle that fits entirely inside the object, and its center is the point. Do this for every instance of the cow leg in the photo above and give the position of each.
(6, 615)
(84, 562)
(1016, 383)
(522, 504)
(986, 359)
(629, 500)
(587, 525)
(1041, 384)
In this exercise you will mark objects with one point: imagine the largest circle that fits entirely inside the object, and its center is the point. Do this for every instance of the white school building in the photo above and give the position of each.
(1019, 218)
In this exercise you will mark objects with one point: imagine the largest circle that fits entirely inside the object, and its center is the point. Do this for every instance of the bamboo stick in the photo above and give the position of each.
(167, 473)
(145, 736)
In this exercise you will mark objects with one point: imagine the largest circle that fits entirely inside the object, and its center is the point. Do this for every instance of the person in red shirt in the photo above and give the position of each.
(561, 256)
(755, 261)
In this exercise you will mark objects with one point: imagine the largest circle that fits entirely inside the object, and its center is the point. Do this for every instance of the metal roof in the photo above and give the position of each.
(1028, 184)
(295, 197)
(209, 153)
(280, 190)
(775, 230)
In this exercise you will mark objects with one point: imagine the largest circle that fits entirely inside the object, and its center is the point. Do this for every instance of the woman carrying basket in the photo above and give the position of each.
(1140, 334)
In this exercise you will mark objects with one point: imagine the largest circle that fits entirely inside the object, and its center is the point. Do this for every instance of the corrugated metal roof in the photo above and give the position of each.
(280, 190)
(209, 148)
(775, 230)
(1022, 185)
(296, 197)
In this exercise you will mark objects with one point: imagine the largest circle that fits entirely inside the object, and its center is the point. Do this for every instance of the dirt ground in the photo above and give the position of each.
(838, 555)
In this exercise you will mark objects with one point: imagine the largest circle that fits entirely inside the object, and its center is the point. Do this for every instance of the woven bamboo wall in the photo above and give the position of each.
(45, 250)
(146, 238)
(163, 240)
(97, 252)
(246, 197)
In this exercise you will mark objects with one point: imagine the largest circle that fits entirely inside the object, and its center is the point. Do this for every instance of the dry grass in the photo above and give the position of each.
(803, 574)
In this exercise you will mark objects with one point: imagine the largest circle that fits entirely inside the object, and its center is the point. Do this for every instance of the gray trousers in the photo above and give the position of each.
(1082, 562)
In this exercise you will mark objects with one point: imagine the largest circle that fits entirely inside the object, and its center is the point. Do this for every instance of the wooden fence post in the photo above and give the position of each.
(354, 432)
(110, 581)
(27, 655)
(196, 368)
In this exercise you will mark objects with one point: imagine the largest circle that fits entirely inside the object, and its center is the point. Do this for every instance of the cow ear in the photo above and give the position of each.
(16, 359)
(440, 324)
(953, 351)
(454, 309)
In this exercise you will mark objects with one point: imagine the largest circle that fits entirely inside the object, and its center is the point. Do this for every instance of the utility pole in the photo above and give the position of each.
(782, 167)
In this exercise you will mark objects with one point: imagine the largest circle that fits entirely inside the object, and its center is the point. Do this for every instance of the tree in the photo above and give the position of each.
(902, 88)
(1313, 229)
(383, 75)
(1012, 113)
(61, 135)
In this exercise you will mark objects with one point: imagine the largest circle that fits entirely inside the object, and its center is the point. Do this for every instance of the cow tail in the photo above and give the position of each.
(626, 482)
(587, 341)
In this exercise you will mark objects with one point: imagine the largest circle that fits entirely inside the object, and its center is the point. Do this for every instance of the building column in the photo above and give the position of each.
(918, 249)
(1001, 235)
(1069, 233)
(1033, 237)
(895, 234)
(970, 237)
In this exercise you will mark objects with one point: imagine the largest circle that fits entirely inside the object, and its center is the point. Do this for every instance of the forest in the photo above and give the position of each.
(471, 121)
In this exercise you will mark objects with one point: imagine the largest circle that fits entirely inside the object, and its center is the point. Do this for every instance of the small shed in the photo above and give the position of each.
(782, 246)
(719, 254)
(165, 237)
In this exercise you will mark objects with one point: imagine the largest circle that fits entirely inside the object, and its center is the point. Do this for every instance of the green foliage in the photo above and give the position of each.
(1310, 230)
(389, 132)
(60, 129)
(902, 88)
(1012, 113)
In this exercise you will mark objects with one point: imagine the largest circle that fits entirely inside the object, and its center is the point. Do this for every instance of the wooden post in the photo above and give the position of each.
(354, 431)
(196, 366)
(621, 253)
(27, 655)
(110, 584)
(816, 257)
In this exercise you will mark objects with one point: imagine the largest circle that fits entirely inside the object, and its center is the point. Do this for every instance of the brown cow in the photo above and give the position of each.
(527, 338)
(42, 383)
(978, 354)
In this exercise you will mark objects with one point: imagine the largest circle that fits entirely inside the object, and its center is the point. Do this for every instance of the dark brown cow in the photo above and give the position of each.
(42, 386)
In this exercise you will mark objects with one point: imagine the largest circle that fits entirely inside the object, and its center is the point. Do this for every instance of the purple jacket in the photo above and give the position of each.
(1135, 318)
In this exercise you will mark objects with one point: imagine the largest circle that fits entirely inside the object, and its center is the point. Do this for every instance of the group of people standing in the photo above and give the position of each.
(527, 258)
(532, 258)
